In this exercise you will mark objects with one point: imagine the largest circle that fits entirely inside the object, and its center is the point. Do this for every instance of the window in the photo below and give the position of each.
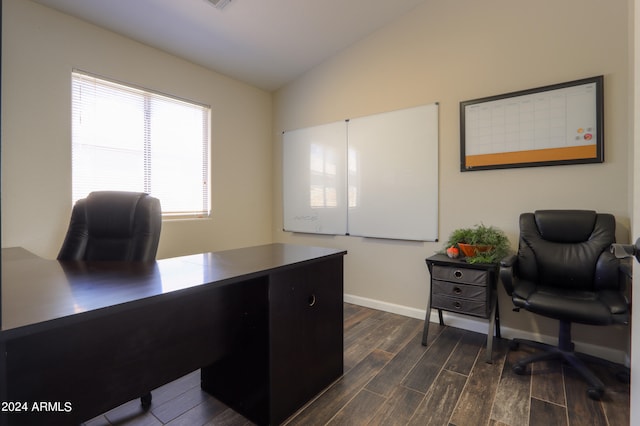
(130, 139)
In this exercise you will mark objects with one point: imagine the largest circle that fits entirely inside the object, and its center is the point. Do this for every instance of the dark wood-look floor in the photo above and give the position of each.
(391, 379)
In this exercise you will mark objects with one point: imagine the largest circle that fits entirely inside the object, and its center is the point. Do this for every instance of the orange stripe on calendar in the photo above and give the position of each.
(532, 156)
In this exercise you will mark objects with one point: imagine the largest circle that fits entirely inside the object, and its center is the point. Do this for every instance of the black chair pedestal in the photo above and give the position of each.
(565, 352)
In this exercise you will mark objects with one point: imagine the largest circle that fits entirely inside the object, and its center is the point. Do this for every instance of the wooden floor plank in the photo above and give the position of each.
(350, 310)
(547, 381)
(168, 392)
(476, 401)
(359, 411)
(371, 337)
(446, 386)
(366, 320)
(354, 314)
(464, 355)
(207, 410)
(545, 413)
(423, 374)
(581, 409)
(511, 404)
(228, 418)
(400, 335)
(616, 399)
(180, 405)
(440, 401)
(387, 380)
(340, 393)
(398, 408)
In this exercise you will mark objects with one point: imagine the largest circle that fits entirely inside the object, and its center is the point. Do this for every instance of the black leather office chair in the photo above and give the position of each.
(113, 225)
(117, 226)
(564, 270)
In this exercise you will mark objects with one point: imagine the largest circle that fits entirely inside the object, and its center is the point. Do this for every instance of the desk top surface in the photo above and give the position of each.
(37, 291)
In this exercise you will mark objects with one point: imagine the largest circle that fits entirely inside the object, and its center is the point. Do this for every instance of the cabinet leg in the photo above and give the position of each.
(425, 331)
(492, 327)
(440, 317)
(497, 317)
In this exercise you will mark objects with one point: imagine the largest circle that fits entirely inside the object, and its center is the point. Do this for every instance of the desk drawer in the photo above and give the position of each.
(463, 306)
(451, 289)
(462, 275)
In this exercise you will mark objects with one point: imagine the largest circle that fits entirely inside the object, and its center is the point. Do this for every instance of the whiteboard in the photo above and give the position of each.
(374, 176)
(314, 179)
(393, 174)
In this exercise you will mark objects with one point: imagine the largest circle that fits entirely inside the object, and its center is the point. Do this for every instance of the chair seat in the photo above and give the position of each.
(585, 307)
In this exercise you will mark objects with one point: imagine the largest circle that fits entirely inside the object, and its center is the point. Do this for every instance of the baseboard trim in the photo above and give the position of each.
(385, 306)
(480, 325)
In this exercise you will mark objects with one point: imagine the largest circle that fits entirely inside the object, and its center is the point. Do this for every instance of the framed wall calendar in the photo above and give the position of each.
(550, 125)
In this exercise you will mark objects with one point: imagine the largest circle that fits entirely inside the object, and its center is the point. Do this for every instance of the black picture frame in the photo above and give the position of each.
(558, 124)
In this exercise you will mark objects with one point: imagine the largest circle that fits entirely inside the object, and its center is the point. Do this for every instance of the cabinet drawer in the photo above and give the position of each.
(452, 289)
(463, 306)
(462, 275)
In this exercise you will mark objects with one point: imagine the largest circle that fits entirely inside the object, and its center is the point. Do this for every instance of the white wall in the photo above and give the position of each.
(40, 48)
(449, 52)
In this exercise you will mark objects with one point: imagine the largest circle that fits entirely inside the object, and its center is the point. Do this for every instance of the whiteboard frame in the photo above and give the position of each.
(591, 153)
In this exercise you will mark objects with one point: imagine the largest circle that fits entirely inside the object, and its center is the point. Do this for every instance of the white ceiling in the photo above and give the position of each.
(266, 43)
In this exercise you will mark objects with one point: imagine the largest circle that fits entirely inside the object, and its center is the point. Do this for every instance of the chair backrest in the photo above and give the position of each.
(568, 249)
(113, 225)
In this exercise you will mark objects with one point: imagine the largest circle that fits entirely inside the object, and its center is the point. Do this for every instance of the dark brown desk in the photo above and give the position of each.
(264, 324)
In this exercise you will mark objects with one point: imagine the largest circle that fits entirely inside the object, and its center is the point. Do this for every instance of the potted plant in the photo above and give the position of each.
(479, 244)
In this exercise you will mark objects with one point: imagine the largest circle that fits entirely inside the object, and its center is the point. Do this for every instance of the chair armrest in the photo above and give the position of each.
(625, 278)
(508, 261)
(506, 272)
(626, 269)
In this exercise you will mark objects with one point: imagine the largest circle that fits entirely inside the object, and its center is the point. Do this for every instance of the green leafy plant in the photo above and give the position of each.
(493, 241)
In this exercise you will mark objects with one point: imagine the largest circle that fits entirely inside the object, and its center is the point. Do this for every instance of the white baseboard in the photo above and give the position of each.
(480, 326)
(385, 306)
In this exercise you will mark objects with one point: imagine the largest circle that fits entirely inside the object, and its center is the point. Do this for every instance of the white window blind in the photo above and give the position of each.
(130, 139)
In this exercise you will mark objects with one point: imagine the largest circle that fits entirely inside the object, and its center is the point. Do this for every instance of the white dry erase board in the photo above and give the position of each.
(314, 179)
(393, 174)
(385, 184)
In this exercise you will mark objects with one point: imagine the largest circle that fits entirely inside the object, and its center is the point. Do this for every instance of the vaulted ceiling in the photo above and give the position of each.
(266, 43)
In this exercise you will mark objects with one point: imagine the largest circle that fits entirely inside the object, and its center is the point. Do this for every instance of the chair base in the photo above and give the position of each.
(563, 351)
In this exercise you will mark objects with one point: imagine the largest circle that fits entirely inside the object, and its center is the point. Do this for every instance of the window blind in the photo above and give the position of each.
(130, 139)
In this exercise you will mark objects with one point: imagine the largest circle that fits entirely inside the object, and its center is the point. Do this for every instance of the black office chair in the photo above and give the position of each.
(116, 226)
(564, 270)
(113, 225)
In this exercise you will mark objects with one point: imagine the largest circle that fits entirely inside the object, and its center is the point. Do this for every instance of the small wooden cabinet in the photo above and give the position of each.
(463, 288)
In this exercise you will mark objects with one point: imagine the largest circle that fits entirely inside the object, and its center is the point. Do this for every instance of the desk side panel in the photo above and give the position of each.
(281, 369)
(101, 363)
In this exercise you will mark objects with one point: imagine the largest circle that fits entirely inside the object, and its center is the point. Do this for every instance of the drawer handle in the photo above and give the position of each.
(457, 273)
(457, 290)
(311, 300)
(457, 305)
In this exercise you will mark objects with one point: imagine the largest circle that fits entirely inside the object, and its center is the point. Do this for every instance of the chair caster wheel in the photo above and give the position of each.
(145, 401)
(519, 369)
(513, 345)
(595, 393)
